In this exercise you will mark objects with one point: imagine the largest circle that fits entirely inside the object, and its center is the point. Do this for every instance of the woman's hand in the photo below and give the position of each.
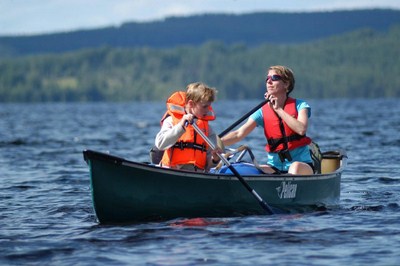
(274, 102)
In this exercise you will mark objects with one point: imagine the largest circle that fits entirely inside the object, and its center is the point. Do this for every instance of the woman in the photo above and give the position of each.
(285, 122)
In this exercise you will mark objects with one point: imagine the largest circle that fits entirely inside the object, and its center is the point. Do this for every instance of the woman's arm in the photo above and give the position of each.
(298, 125)
(240, 133)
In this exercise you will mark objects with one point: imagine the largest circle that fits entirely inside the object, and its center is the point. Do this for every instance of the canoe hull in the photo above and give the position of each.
(126, 191)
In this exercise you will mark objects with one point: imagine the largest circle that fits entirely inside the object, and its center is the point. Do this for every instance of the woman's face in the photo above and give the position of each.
(274, 84)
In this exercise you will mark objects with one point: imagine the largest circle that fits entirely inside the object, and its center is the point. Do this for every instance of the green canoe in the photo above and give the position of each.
(124, 191)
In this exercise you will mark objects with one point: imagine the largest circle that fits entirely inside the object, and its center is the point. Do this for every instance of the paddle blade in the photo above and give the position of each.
(220, 144)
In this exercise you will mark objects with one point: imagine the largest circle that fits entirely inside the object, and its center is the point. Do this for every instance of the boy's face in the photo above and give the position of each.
(200, 109)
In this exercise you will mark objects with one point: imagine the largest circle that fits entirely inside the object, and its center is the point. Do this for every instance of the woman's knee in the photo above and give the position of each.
(299, 168)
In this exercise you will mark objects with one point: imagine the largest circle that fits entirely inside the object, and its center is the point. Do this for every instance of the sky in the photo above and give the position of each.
(29, 17)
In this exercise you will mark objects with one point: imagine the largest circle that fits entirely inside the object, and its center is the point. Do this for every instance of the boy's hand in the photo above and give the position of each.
(214, 155)
(186, 120)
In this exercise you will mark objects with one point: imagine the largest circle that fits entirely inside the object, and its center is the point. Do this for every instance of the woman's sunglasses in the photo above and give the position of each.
(273, 78)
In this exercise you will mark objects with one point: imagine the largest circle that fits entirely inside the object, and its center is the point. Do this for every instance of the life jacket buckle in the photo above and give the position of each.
(181, 145)
(203, 147)
(285, 155)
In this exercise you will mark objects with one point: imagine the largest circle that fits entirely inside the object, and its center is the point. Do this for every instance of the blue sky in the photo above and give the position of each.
(47, 16)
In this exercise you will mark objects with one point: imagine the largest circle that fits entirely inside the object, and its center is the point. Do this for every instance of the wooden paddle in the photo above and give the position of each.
(223, 133)
(263, 204)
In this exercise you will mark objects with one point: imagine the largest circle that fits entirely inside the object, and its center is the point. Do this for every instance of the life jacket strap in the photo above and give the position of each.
(274, 143)
(190, 145)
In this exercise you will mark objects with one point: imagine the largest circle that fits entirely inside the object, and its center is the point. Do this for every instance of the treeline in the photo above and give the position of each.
(363, 63)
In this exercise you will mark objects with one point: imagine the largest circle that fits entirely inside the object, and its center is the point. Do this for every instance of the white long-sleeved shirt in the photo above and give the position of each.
(169, 135)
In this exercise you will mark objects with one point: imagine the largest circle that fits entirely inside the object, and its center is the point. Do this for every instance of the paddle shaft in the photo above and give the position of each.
(263, 204)
(223, 133)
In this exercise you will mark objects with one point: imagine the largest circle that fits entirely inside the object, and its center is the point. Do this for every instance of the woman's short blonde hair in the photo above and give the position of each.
(286, 74)
(200, 92)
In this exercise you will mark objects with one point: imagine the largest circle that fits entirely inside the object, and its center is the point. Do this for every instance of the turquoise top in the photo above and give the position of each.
(301, 154)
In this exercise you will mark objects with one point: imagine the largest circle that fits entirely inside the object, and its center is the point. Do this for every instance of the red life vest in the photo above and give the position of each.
(190, 147)
(279, 135)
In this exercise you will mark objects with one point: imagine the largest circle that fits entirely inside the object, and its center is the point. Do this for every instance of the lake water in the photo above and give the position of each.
(46, 215)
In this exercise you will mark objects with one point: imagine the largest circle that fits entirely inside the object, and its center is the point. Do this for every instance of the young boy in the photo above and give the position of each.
(184, 148)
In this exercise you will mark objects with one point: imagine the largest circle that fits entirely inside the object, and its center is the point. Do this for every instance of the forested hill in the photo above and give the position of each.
(249, 29)
(364, 63)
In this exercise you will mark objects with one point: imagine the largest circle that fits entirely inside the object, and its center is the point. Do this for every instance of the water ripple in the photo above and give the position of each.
(47, 217)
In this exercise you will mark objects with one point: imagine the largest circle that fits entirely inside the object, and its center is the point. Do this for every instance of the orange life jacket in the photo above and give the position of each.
(279, 135)
(190, 147)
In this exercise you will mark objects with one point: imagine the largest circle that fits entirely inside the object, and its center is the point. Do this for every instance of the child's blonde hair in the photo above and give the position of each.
(200, 92)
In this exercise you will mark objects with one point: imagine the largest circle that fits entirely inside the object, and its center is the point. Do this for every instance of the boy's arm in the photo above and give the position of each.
(168, 135)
